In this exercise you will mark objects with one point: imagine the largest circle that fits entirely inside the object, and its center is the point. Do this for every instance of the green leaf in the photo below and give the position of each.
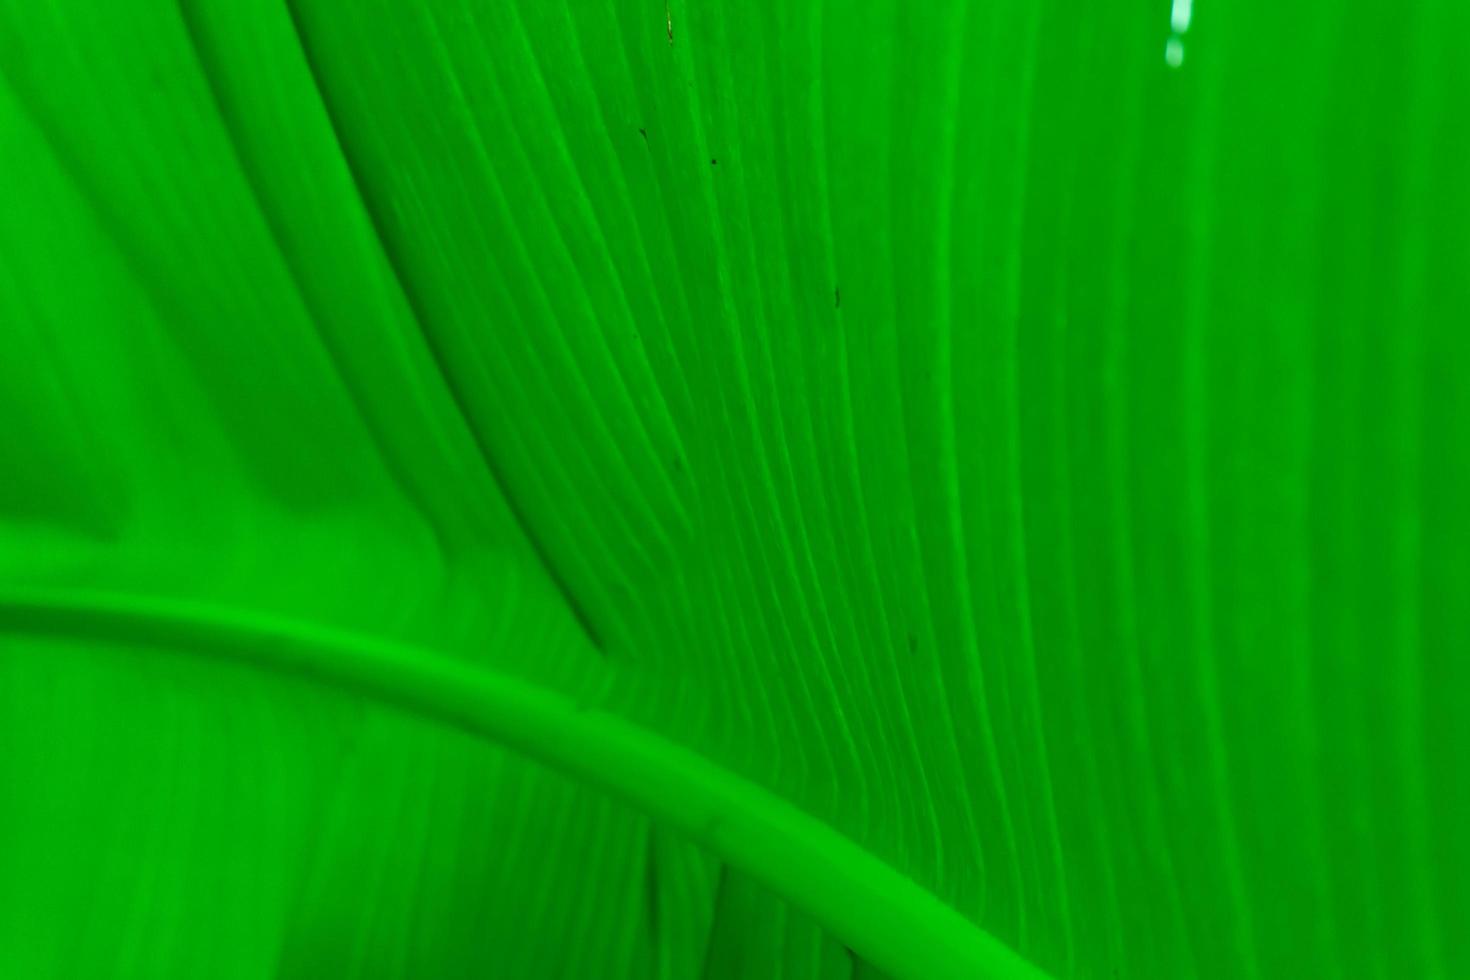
(734, 489)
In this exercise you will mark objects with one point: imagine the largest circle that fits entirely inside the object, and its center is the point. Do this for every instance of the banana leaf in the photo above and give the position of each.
(734, 489)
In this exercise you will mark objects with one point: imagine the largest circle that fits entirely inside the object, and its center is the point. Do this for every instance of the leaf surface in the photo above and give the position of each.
(733, 489)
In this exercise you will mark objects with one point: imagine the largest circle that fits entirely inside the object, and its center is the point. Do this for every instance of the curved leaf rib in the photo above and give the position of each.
(882, 915)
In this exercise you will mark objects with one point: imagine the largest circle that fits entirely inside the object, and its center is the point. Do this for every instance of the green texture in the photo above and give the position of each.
(734, 489)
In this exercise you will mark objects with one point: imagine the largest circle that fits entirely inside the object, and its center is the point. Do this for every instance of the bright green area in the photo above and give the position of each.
(872, 488)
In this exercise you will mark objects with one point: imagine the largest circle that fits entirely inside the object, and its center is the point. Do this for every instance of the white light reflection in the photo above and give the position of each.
(1179, 17)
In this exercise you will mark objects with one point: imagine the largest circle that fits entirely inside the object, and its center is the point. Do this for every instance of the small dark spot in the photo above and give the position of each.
(913, 643)
(713, 161)
(678, 465)
(850, 954)
(644, 133)
(837, 294)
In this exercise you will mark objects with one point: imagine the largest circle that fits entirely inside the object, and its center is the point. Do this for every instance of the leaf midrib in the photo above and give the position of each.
(884, 916)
